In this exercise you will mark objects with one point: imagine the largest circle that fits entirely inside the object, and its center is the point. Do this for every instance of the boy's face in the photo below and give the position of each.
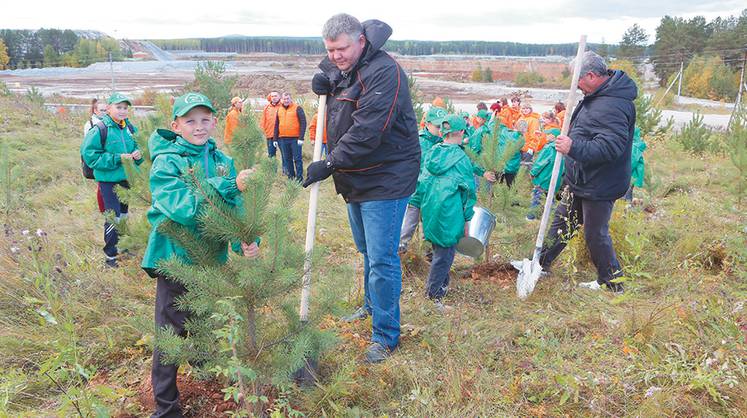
(118, 111)
(433, 128)
(101, 109)
(196, 126)
(515, 103)
(526, 110)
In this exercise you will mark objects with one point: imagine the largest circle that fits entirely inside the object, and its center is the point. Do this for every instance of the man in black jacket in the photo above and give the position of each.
(597, 167)
(374, 158)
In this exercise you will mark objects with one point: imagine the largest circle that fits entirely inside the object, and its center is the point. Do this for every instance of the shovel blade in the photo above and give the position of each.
(529, 273)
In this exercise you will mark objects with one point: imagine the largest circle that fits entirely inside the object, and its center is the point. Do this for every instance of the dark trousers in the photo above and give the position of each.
(271, 150)
(112, 203)
(595, 216)
(292, 162)
(438, 276)
(163, 376)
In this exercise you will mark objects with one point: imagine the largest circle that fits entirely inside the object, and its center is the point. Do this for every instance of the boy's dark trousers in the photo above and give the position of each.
(438, 276)
(163, 376)
(112, 203)
(595, 216)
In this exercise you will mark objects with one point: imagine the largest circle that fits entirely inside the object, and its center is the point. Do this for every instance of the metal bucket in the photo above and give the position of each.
(480, 228)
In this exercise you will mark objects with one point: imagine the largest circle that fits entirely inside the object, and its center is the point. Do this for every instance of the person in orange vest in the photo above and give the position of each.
(290, 126)
(232, 119)
(560, 112)
(505, 114)
(533, 136)
(514, 110)
(267, 121)
(312, 133)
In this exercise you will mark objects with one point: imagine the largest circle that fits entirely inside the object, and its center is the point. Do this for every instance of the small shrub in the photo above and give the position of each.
(529, 79)
(695, 136)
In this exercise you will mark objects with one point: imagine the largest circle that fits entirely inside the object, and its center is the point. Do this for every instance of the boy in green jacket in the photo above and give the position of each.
(187, 147)
(509, 140)
(542, 172)
(430, 135)
(105, 158)
(446, 196)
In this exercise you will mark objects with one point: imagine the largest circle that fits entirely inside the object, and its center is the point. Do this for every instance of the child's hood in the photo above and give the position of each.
(164, 141)
(443, 157)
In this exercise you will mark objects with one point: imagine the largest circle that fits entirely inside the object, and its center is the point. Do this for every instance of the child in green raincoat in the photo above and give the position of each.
(446, 196)
(187, 148)
(105, 158)
(541, 172)
(638, 165)
(430, 135)
(509, 142)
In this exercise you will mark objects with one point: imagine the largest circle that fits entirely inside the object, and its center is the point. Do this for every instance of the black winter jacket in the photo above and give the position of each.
(598, 164)
(372, 132)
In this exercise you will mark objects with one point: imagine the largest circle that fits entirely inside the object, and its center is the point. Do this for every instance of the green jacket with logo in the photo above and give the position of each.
(106, 162)
(510, 139)
(173, 199)
(542, 167)
(445, 194)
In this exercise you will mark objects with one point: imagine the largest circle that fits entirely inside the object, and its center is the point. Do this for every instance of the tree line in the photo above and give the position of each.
(53, 48)
(314, 46)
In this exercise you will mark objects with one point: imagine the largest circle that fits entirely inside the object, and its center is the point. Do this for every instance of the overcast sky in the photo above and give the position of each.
(538, 21)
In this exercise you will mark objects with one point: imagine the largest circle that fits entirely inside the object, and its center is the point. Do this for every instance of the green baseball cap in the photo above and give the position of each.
(435, 115)
(189, 101)
(456, 123)
(118, 98)
(483, 114)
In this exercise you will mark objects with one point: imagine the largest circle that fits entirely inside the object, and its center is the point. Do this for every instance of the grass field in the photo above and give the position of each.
(75, 338)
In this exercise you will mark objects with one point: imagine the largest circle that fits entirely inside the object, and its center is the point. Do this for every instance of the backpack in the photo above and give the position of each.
(103, 132)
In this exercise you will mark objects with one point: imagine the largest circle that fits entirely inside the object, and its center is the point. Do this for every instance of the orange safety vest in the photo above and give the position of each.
(232, 121)
(312, 128)
(288, 125)
(267, 122)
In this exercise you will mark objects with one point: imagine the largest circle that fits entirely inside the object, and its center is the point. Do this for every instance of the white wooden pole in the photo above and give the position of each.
(311, 219)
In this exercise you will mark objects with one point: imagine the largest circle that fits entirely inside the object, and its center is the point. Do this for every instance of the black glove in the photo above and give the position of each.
(317, 171)
(321, 85)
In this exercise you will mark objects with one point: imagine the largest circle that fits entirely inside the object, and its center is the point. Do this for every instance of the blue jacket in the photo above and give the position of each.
(598, 164)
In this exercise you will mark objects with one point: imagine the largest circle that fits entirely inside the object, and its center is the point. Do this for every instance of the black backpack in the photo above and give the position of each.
(103, 132)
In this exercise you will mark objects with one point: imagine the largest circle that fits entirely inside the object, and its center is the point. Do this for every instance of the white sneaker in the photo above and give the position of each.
(593, 285)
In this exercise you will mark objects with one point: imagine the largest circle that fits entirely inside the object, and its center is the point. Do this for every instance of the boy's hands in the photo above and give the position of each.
(136, 155)
(466, 229)
(242, 178)
(250, 250)
(125, 156)
(489, 176)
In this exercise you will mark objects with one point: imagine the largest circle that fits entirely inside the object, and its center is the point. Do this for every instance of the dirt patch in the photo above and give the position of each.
(500, 273)
(260, 85)
(197, 398)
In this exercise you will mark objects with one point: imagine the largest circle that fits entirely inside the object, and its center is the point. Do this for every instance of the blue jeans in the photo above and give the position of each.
(438, 276)
(376, 227)
(112, 203)
(291, 153)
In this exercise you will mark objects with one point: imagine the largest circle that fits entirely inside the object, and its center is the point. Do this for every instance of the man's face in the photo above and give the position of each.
(118, 111)
(344, 51)
(287, 100)
(588, 82)
(196, 126)
(274, 97)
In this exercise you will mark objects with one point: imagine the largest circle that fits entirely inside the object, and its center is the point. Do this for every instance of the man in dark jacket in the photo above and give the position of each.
(597, 167)
(374, 158)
